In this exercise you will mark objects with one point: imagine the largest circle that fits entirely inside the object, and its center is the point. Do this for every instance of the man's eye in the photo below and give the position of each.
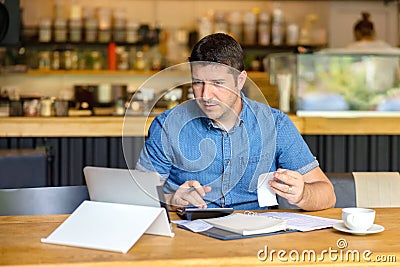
(218, 83)
(197, 83)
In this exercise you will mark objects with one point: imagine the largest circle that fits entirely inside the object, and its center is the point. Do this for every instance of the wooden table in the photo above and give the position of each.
(20, 245)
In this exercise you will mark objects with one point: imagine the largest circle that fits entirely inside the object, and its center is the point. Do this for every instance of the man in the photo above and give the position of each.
(212, 151)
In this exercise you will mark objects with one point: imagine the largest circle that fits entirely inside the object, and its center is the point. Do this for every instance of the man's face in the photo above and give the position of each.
(217, 90)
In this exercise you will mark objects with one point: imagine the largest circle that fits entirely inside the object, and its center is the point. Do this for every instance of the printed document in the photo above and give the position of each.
(302, 222)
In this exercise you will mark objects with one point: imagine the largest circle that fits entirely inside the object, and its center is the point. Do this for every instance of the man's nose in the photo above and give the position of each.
(208, 90)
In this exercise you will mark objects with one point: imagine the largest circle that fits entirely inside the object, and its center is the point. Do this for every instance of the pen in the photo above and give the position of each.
(191, 189)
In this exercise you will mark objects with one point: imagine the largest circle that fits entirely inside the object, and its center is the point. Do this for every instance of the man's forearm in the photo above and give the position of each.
(317, 196)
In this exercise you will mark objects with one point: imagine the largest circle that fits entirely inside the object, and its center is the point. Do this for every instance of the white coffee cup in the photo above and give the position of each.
(358, 219)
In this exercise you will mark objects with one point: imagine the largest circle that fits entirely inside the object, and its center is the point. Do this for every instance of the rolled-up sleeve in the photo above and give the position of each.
(153, 156)
(293, 152)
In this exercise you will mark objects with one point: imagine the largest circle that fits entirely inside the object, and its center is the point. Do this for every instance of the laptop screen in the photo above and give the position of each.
(122, 186)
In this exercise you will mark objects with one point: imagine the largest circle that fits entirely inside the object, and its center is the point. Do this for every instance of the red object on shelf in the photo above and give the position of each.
(112, 57)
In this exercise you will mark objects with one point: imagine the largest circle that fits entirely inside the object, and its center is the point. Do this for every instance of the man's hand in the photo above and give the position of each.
(288, 184)
(190, 193)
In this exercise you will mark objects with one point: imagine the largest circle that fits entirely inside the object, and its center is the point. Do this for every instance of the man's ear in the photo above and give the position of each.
(241, 79)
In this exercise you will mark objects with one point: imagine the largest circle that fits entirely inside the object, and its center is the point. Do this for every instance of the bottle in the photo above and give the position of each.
(75, 30)
(264, 28)
(104, 16)
(235, 25)
(46, 107)
(55, 62)
(278, 29)
(96, 60)
(122, 58)
(120, 106)
(220, 24)
(45, 30)
(75, 23)
(60, 30)
(250, 27)
(112, 56)
(132, 28)
(308, 29)
(44, 60)
(140, 62)
(204, 26)
(292, 34)
(119, 25)
(90, 24)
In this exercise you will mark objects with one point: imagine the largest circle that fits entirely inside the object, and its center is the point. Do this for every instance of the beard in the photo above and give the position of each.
(217, 110)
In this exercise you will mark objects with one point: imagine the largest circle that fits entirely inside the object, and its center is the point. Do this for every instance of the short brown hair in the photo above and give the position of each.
(219, 48)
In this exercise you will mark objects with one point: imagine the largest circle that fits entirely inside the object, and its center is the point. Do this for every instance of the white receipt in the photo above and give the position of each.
(194, 226)
(302, 222)
(266, 197)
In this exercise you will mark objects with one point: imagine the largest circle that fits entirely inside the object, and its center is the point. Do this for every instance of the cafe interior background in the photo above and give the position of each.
(94, 55)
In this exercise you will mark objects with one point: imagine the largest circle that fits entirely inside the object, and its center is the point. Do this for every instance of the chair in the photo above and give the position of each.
(377, 189)
(345, 189)
(42, 200)
(23, 168)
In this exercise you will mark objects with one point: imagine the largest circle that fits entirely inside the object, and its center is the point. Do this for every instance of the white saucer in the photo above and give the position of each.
(375, 228)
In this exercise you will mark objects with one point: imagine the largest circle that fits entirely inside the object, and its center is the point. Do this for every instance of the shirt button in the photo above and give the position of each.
(227, 161)
(225, 188)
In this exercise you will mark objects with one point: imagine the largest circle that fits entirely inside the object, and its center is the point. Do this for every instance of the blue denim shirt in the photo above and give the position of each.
(184, 145)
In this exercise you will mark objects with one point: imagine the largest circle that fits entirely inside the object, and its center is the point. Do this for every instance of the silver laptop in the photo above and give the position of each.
(122, 186)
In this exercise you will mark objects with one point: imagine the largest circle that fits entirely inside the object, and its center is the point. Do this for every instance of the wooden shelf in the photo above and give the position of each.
(251, 74)
(90, 72)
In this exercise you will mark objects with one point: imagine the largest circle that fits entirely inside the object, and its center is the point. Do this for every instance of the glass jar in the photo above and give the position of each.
(46, 105)
(277, 33)
(60, 30)
(44, 60)
(249, 28)
(61, 107)
(278, 27)
(119, 25)
(122, 58)
(220, 24)
(235, 25)
(140, 61)
(55, 61)
(264, 28)
(45, 30)
(67, 56)
(132, 28)
(31, 107)
(94, 61)
(104, 16)
(292, 34)
(204, 26)
(75, 30)
(15, 108)
(91, 30)
(90, 25)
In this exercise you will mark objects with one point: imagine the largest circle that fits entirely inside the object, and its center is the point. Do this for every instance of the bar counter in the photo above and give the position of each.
(114, 126)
